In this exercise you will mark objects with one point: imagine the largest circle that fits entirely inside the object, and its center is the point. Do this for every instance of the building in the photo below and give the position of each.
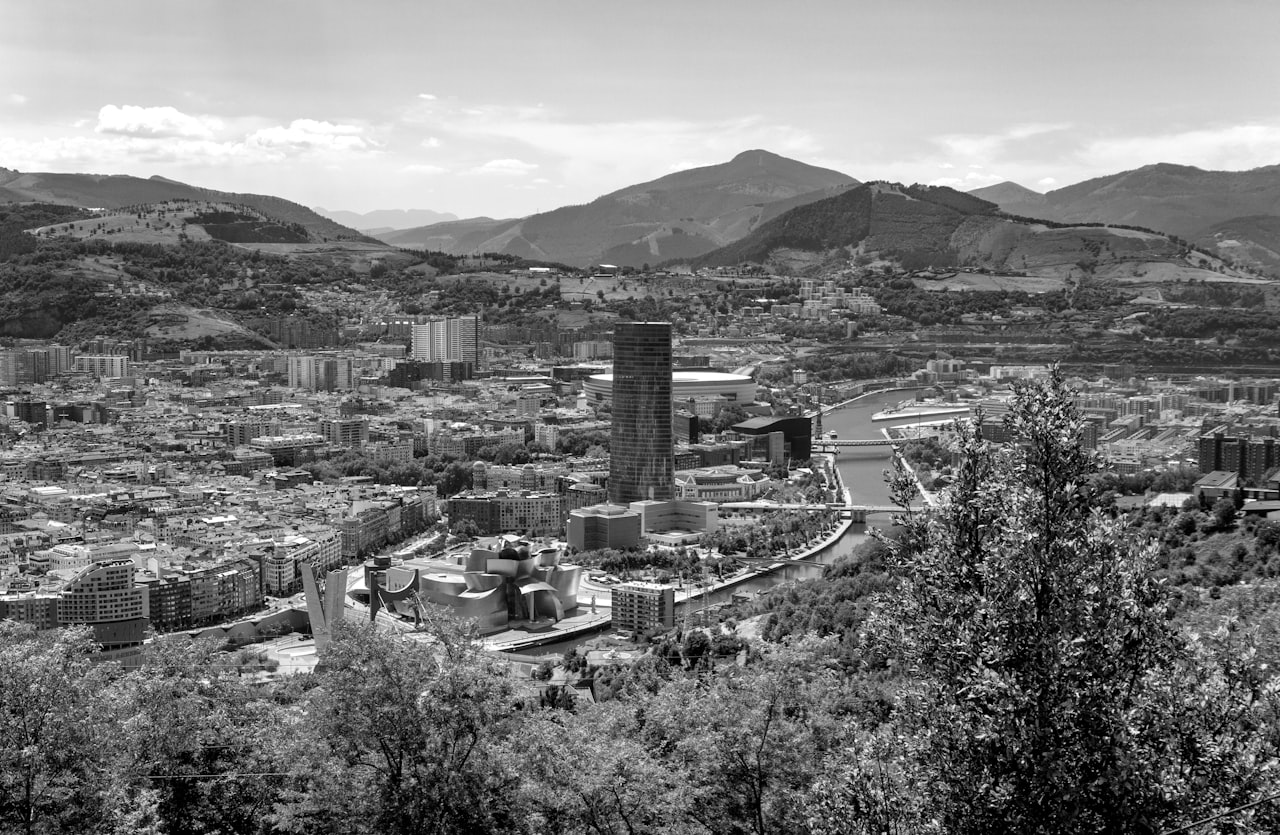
(109, 366)
(345, 432)
(677, 522)
(288, 449)
(103, 596)
(490, 586)
(281, 574)
(603, 526)
(641, 607)
(780, 438)
(641, 464)
(447, 340)
(184, 599)
(504, 511)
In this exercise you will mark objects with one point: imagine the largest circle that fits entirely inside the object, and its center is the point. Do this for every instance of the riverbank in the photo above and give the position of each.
(833, 407)
(803, 556)
(579, 624)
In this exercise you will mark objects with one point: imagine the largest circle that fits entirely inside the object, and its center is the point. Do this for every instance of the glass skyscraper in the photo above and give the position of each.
(641, 461)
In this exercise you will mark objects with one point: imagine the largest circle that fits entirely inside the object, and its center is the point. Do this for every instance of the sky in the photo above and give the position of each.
(497, 108)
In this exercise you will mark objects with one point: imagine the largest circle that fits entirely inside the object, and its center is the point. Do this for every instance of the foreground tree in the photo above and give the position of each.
(400, 736)
(194, 742)
(52, 730)
(1038, 654)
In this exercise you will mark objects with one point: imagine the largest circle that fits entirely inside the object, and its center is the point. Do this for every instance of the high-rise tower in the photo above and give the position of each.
(641, 462)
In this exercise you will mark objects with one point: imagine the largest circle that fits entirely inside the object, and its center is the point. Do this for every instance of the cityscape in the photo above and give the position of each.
(701, 419)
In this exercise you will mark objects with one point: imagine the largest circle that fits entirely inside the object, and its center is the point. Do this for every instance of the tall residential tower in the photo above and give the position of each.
(641, 462)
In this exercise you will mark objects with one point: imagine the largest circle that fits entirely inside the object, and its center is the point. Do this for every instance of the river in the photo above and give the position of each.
(861, 470)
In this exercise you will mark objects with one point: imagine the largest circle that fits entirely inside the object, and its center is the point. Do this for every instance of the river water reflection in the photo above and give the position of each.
(862, 470)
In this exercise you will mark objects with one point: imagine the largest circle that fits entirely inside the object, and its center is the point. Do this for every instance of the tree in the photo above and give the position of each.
(402, 737)
(52, 734)
(190, 732)
(1036, 641)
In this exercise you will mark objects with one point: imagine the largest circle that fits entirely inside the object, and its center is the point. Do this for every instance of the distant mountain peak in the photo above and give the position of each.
(681, 214)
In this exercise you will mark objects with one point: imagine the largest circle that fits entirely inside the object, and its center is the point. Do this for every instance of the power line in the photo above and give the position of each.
(1213, 818)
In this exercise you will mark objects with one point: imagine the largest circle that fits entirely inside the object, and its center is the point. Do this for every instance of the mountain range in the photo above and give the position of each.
(117, 191)
(740, 209)
(681, 215)
(938, 229)
(385, 220)
(1235, 213)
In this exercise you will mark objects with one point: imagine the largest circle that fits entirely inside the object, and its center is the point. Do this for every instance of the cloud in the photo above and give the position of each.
(1228, 147)
(985, 146)
(422, 168)
(504, 168)
(426, 97)
(17, 98)
(590, 156)
(154, 122)
(430, 142)
(309, 135)
(1047, 182)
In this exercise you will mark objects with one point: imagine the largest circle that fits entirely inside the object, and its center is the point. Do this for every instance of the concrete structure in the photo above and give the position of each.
(447, 340)
(676, 522)
(603, 526)
(508, 511)
(109, 366)
(640, 441)
(345, 432)
(288, 449)
(641, 607)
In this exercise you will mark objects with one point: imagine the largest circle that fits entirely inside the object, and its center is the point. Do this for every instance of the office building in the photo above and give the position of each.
(447, 340)
(640, 441)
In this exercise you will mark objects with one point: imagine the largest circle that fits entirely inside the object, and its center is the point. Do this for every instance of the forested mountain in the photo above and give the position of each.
(1229, 210)
(937, 227)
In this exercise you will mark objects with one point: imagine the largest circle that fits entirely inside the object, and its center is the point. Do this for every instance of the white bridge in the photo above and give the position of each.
(854, 512)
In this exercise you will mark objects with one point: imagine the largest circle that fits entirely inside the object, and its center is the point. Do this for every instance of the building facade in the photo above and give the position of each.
(641, 464)
(640, 607)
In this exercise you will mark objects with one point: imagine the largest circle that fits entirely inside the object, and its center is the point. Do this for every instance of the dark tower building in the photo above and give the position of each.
(641, 463)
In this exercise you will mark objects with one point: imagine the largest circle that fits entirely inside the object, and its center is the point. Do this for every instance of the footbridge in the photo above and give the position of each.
(832, 444)
(853, 512)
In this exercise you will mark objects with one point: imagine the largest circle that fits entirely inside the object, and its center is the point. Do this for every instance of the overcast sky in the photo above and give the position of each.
(506, 108)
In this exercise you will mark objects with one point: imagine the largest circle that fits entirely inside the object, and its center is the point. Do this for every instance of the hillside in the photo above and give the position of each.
(1191, 203)
(683, 214)
(118, 191)
(886, 216)
(1252, 241)
(457, 237)
(921, 228)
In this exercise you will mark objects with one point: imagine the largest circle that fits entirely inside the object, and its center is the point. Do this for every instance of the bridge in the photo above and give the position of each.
(835, 443)
(854, 512)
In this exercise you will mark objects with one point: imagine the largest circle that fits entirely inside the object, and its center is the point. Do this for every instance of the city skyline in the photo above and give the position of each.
(510, 109)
